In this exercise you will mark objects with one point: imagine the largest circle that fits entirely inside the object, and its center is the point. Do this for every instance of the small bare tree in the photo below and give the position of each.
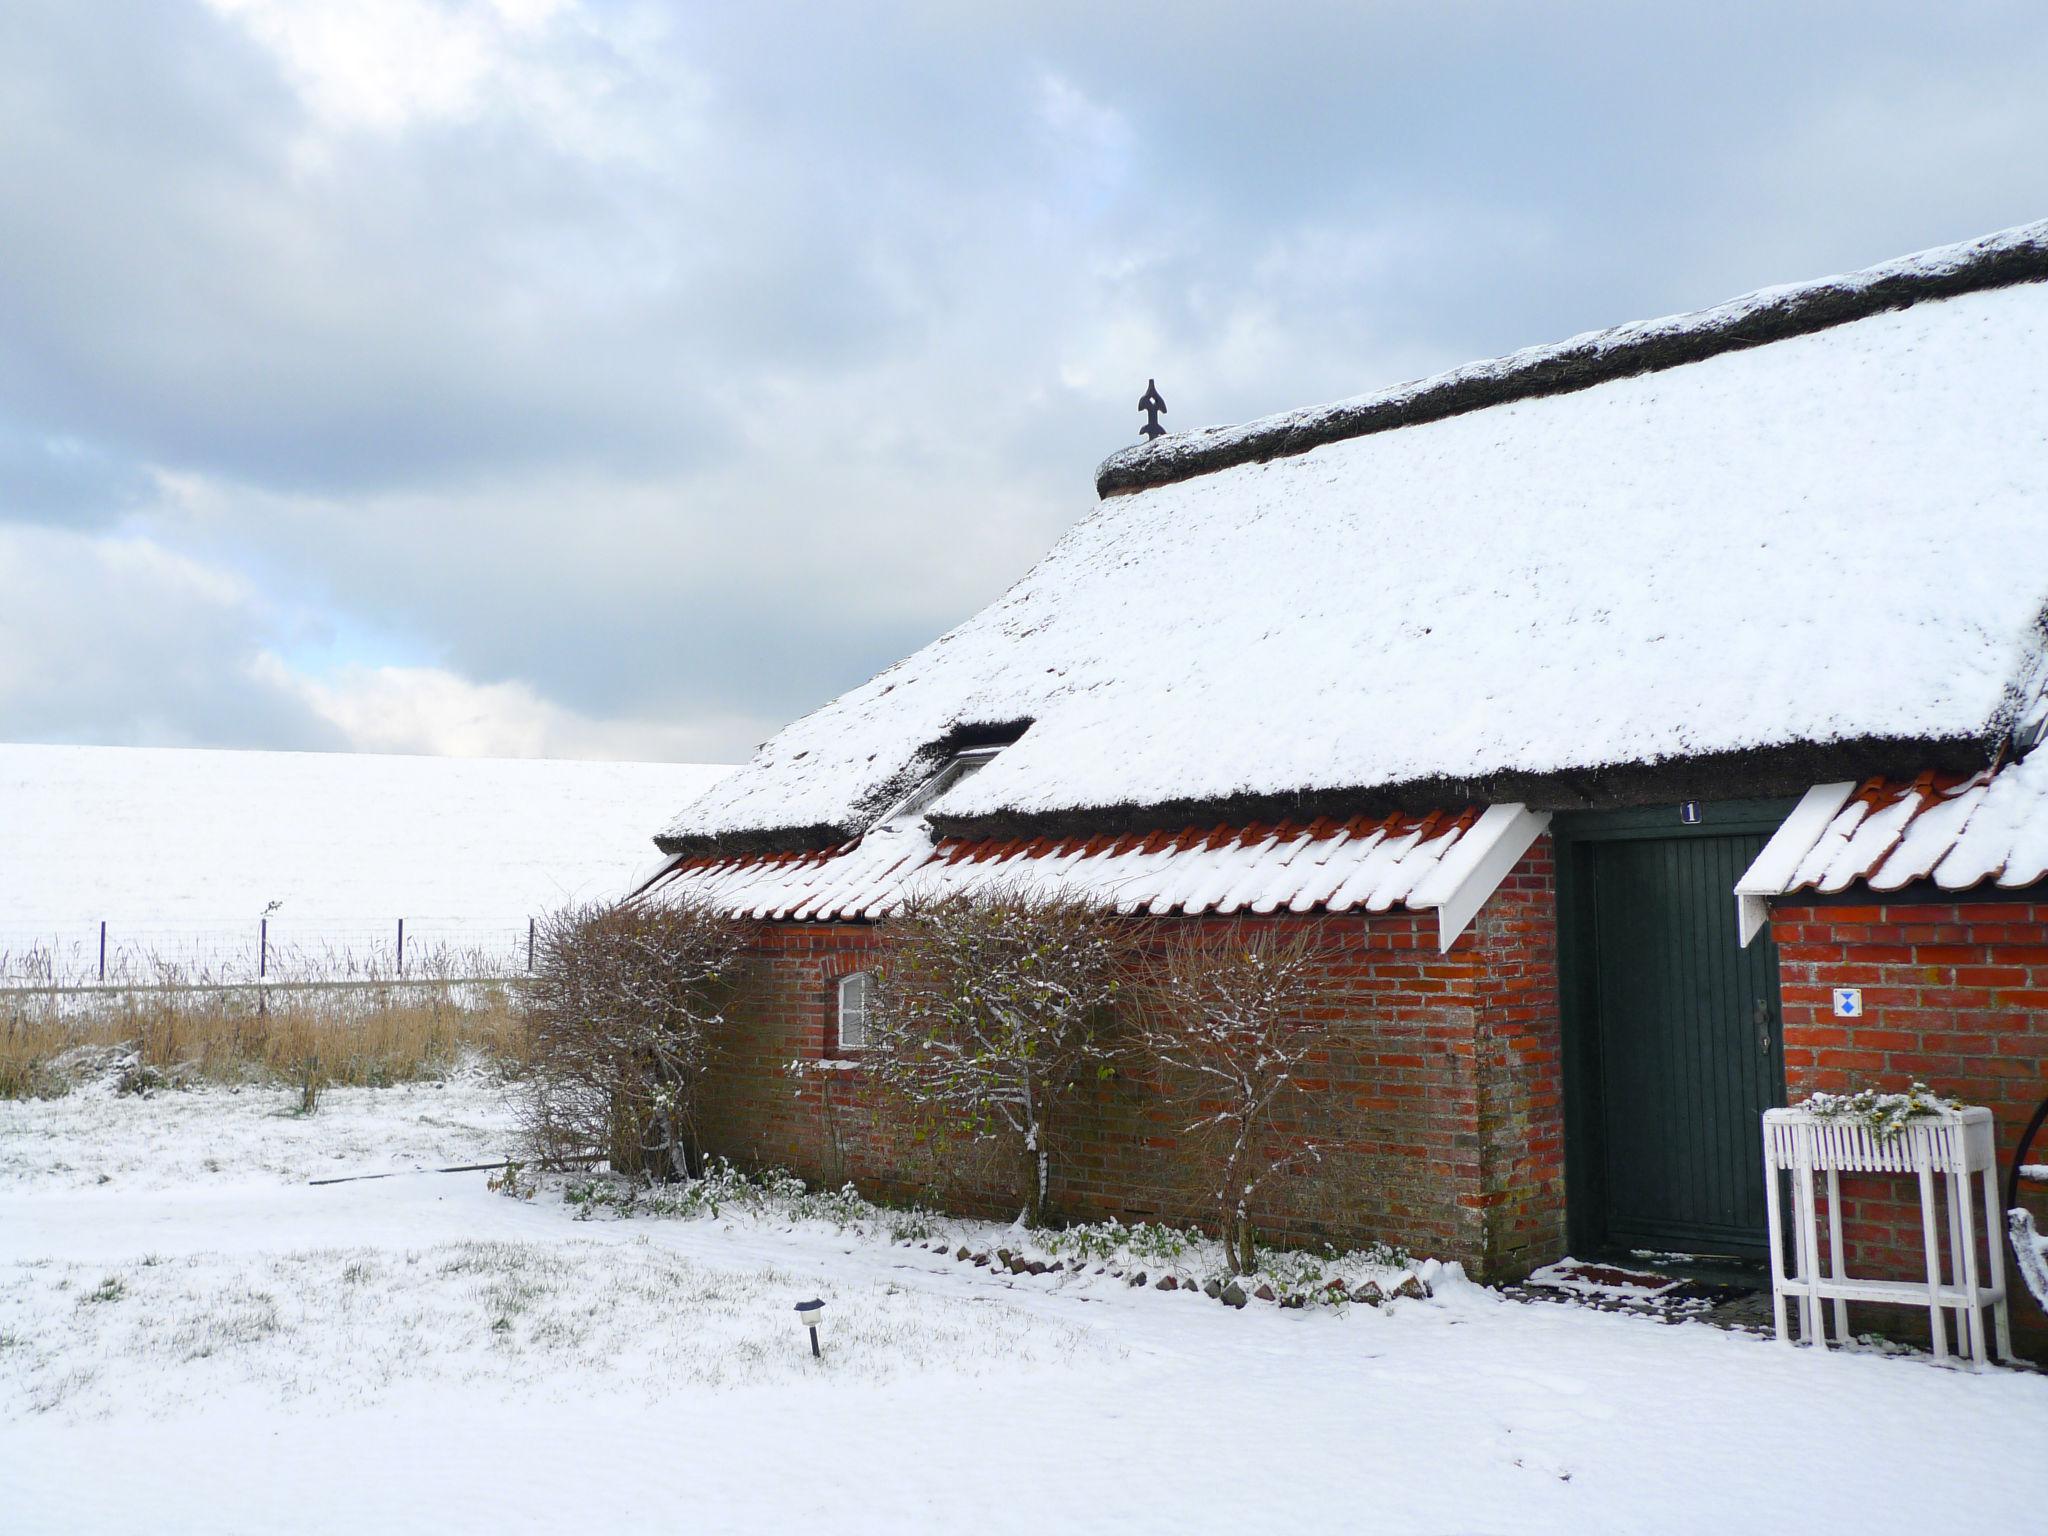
(1226, 1020)
(987, 1012)
(622, 1020)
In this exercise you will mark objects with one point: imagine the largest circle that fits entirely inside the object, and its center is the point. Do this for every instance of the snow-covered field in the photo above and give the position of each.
(181, 852)
(193, 1338)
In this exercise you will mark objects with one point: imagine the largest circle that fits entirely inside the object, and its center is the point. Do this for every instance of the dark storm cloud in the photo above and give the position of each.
(689, 365)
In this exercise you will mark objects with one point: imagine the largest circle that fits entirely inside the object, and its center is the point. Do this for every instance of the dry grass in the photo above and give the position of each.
(366, 1037)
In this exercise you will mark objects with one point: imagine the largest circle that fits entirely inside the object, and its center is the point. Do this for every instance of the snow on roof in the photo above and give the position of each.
(1769, 314)
(1446, 864)
(1835, 537)
(1959, 833)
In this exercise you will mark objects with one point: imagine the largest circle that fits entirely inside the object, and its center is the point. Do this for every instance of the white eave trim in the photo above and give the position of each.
(1772, 871)
(650, 873)
(1474, 868)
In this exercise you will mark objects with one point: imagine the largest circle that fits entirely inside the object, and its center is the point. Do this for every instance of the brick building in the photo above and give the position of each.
(1600, 710)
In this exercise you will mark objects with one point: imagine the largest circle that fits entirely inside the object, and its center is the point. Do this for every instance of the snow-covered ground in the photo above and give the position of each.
(205, 1342)
(180, 851)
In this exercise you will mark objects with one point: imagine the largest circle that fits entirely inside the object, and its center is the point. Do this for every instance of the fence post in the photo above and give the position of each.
(263, 949)
(103, 949)
(529, 945)
(401, 947)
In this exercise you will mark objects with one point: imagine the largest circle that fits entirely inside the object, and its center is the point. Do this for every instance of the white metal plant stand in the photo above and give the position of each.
(1952, 1145)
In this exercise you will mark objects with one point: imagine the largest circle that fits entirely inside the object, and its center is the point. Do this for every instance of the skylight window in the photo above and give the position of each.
(962, 765)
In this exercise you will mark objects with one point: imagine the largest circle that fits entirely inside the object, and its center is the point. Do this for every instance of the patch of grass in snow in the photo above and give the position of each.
(109, 1289)
(53, 1391)
(96, 1137)
(542, 1317)
(238, 1318)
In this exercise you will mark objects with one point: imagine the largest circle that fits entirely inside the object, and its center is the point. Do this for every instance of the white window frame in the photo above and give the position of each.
(959, 766)
(860, 985)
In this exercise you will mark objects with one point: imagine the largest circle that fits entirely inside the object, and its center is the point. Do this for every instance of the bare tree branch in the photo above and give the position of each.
(1226, 1021)
(986, 1013)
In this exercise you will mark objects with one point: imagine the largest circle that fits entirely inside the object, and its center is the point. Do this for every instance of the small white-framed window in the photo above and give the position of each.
(853, 1011)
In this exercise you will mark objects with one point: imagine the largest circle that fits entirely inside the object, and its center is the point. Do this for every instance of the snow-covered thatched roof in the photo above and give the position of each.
(1807, 522)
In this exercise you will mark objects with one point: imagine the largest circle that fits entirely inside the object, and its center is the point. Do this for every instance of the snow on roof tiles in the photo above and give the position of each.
(1446, 864)
(1831, 538)
(1957, 832)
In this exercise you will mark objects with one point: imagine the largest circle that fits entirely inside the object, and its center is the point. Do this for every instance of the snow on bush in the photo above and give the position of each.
(1228, 1024)
(1149, 1253)
(2030, 1248)
(725, 1191)
(1883, 1114)
(622, 1023)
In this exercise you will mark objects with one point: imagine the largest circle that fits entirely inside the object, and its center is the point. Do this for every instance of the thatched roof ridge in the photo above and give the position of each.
(2014, 255)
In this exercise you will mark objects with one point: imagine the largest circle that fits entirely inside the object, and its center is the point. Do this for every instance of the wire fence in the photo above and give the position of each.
(114, 956)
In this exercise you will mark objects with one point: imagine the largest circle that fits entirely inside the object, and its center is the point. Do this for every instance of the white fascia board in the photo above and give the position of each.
(1771, 871)
(1472, 871)
(650, 873)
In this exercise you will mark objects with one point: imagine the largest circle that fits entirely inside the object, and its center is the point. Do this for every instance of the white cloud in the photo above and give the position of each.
(382, 64)
(1889, 159)
(1093, 142)
(111, 637)
(437, 713)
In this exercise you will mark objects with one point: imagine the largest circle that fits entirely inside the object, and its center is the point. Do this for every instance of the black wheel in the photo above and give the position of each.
(2019, 1156)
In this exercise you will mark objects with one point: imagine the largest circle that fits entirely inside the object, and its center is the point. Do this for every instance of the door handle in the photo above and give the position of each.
(1762, 1018)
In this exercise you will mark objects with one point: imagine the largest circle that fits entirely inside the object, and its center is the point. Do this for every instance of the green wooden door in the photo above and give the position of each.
(1686, 1043)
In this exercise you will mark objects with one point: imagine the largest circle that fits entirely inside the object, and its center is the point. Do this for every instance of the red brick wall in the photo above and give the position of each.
(1390, 1096)
(1439, 1094)
(1955, 994)
(1521, 1069)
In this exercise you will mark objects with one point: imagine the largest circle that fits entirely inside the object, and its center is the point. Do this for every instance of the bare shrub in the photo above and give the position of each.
(987, 1012)
(1226, 1021)
(622, 1020)
(311, 1081)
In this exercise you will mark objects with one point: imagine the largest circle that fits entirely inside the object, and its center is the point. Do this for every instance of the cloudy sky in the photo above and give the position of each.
(533, 378)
